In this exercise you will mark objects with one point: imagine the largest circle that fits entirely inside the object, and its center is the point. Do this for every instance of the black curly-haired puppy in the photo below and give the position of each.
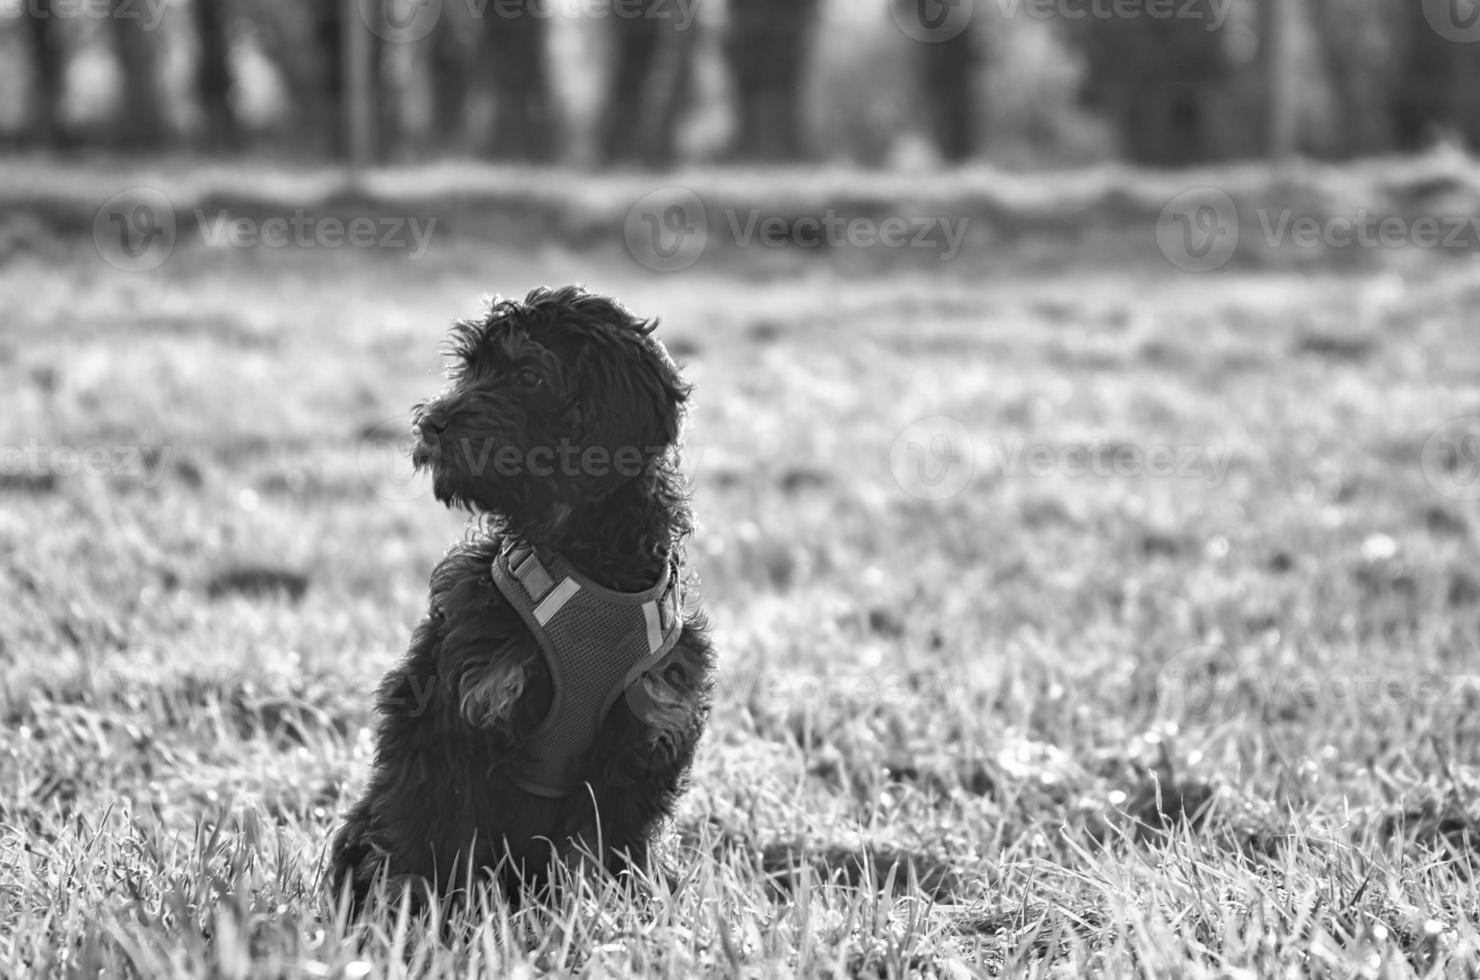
(553, 696)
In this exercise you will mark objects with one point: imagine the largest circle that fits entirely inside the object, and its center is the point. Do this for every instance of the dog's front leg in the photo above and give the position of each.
(486, 656)
(640, 762)
(489, 691)
(638, 774)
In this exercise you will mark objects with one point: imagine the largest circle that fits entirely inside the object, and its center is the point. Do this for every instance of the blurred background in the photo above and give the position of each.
(880, 83)
(1086, 390)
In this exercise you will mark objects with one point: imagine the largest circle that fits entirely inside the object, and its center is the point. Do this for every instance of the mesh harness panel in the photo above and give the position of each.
(597, 644)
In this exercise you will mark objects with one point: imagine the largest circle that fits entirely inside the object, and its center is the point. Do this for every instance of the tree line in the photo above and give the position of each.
(1220, 79)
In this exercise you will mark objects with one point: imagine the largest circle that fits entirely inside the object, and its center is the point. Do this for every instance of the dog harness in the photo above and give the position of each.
(598, 643)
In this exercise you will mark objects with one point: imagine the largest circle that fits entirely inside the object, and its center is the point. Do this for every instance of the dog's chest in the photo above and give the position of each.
(596, 644)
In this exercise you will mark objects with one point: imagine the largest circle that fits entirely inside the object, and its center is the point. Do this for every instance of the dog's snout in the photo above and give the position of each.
(432, 423)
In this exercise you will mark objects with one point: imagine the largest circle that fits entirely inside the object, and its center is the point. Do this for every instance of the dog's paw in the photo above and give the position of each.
(659, 703)
(667, 696)
(355, 863)
(487, 696)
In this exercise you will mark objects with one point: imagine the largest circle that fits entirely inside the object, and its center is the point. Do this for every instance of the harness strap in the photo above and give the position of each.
(597, 644)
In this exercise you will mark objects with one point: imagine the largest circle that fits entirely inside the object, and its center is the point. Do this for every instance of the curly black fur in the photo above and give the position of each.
(560, 425)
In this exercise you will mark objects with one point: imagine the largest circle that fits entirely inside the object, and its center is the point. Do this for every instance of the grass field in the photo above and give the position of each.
(1181, 681)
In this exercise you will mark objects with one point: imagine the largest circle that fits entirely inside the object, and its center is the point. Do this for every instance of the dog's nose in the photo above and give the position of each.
(435, 424)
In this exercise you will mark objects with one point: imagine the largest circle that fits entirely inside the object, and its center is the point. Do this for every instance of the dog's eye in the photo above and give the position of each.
(528, 379)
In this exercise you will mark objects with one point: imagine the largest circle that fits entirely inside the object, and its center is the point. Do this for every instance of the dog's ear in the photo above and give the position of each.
(630, 402)
(662, 393)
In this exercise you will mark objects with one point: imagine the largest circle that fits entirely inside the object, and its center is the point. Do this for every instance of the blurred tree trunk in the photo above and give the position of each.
(450, 64)
(652, 69)
(142, 120)
(328, 37)
(43, 39)
(768, 47)
(360, 107)
(333, 110)
(383, 94)
(635, 43)
(947, 71)
(213, 78)
(673, 86)
(514, 44)
(1438, 85)
(1277, 18)
(1155, 79)
(1338, 39)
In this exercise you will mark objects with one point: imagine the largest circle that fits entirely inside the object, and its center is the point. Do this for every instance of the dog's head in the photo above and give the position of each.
(552, 402)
